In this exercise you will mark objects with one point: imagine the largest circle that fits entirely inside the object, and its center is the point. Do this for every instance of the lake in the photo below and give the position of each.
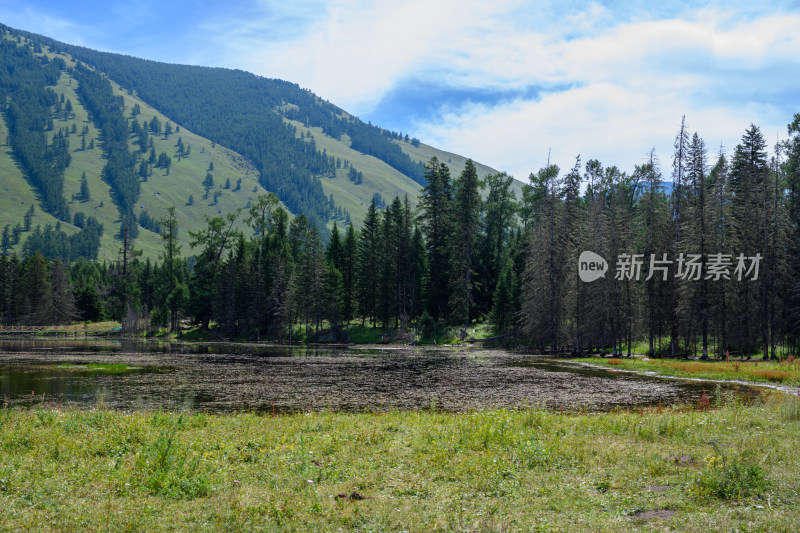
(228, 377)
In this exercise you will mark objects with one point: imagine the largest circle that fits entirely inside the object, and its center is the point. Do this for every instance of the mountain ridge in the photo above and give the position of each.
(331, 176)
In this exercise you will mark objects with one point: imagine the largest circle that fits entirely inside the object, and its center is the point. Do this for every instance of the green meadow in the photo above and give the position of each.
(724, 467)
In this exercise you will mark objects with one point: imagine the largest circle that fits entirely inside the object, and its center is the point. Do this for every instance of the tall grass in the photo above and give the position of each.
(725, 468)
(787, 372)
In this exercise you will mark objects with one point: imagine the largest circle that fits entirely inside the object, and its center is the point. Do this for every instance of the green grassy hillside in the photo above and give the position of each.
(184, 180)
(423, 152)
(158, 193)
(378, 176)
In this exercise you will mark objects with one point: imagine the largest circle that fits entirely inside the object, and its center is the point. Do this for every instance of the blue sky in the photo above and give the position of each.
(505, 82)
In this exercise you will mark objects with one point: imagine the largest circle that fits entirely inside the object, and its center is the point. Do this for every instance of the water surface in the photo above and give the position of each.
(226, 377)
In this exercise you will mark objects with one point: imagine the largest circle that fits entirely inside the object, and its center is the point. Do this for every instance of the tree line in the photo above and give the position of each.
(725, 215)
(472, 251)
(402, 266)
(28, 102)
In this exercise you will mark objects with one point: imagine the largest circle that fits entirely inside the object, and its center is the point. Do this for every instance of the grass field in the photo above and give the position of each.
(786, 372)
(730, 468)
(378, 176)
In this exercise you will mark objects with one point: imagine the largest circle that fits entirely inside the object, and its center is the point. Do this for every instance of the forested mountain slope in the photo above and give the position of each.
(178, 186)
(250, 134)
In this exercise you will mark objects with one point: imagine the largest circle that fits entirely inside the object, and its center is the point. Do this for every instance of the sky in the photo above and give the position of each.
(506, 82)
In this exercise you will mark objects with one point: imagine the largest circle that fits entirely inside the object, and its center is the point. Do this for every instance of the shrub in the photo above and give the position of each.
(730, 479)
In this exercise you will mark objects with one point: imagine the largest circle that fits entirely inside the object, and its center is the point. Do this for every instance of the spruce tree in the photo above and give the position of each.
(5, 244)
(369, 260)
(435, 218)
(467, 209)
(85, 194)
(348, 270)
(176, 293)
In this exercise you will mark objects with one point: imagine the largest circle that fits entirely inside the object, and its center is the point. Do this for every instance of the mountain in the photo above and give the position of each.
(251, 134)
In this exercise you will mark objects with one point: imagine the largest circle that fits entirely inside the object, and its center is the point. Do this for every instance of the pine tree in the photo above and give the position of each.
(694, 293)
(467, 208)
(63, 297)
(213, 243)
(499, 221)
(28, 218)
(748, 175)
(679, 163)
(542, 283)
(85, 194)
(332, 296)
(651, 221)
(348, 270)
(208, 183)
(369, 250)
(502, 315)
(176, 292)
(37, 291)
(259, 218)
(5, 244)
(334, 251)
(435, 217)
(720, 228)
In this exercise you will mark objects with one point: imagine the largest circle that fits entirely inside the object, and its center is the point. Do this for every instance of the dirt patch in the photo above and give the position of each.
(353, 497)
(654, 514)
(683, 460)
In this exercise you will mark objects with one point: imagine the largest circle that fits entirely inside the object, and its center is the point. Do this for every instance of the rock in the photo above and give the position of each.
(683, 460)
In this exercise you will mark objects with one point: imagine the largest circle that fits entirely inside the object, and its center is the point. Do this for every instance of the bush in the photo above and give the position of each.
(790, 408)
(730, 480)
(427, 326)
(168, 471)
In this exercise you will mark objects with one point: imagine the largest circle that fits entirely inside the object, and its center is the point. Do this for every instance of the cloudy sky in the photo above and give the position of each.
(504, 82)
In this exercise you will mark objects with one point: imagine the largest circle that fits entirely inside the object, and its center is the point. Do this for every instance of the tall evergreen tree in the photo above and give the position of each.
(467, 209)
(749, 171)
(369, 257)
(37, 290)
(349, 264)
(176, 292)
(499, 222)
(213, 242)
(436, 221)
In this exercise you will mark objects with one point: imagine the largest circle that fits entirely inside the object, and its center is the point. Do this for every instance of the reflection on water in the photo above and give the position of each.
(225, 377)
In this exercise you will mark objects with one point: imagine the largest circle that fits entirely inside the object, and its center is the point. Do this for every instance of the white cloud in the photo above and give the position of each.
(619, 75)
(614, 124)
(359, 51)
(43, 23)
(632, 85)
(631, 78)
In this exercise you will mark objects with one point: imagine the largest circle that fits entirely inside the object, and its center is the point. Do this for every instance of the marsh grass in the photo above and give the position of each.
(105, 368)
(785, 372)
(725, 468)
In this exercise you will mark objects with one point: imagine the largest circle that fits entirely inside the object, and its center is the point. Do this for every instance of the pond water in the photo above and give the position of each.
(226, 377)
